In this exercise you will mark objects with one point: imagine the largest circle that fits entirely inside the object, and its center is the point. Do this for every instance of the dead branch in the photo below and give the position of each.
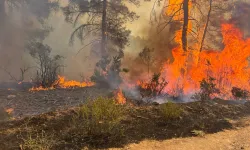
(206, 26)
(9, 73)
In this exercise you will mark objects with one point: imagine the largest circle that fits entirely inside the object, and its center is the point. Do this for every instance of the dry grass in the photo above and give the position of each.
(39, 141)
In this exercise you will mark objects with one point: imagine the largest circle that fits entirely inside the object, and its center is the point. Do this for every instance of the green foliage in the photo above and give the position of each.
(100, 117)
(239, 93)
(40, 141)
(170, 111)
(154, 87)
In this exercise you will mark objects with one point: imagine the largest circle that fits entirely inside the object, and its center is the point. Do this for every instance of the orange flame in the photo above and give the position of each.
(120, 97)
(175, 11)
(229, 67)
(9, 110)
(71, 83)
(62, 83)
(40, 88)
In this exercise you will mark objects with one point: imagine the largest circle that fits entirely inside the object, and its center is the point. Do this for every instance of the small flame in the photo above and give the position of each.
(142, 84)
(120, 97)
(9, 110)
(40, 88)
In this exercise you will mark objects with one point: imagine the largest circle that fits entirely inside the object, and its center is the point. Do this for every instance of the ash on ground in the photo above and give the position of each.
(25, 103)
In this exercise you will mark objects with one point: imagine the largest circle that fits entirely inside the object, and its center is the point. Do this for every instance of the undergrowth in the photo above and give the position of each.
(170, 111)
(99, 120)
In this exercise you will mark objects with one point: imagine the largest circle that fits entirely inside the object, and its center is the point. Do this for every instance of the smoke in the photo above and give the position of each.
(20, 23)
(241, 13)
(160, 41)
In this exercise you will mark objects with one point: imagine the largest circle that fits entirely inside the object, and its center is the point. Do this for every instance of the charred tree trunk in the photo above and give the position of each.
(185, 25)
(206, 26)
(104, 28)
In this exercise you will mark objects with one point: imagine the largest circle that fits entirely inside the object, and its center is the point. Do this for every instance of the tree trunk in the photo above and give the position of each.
(185, 25)
(206, 26)
(104, 29)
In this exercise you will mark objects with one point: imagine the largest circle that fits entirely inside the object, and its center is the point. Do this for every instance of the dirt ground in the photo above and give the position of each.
(237, 139)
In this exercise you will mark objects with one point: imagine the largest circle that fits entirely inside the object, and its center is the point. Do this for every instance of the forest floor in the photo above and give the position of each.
(45, 120)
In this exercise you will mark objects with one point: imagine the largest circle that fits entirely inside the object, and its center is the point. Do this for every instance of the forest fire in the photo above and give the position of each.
(229, 67)
(62, 83)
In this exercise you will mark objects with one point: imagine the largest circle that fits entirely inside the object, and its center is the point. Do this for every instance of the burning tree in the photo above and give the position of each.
(154, 87)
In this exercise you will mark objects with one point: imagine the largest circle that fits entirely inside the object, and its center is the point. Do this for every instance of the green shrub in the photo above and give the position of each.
(170, 111)
(100, 117)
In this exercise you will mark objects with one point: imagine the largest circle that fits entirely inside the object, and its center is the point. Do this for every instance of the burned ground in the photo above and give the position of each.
(138, 123)
(27, 103)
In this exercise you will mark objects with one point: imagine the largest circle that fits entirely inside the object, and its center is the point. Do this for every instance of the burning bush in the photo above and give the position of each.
(48, 67)
(154, 87)
(239, 93)
(207, 89)
(99, 118)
